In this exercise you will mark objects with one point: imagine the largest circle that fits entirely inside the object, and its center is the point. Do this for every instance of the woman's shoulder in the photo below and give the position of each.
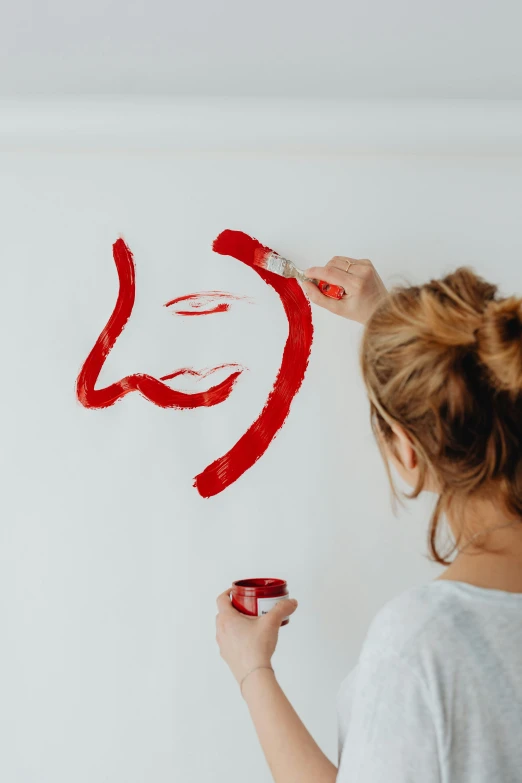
(419, 616)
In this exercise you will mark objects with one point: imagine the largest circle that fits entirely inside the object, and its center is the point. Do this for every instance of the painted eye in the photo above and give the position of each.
(203, 303)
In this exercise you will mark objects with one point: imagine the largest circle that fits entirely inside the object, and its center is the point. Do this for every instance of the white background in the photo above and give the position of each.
(109, 560)
(348, 49)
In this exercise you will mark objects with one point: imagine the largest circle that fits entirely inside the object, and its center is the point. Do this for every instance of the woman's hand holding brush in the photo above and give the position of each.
(363, 287)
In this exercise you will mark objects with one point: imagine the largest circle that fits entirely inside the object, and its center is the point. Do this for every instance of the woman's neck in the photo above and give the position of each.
(489, 548)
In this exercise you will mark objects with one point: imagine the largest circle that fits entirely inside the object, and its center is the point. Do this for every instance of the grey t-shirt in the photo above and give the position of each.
(436, 696)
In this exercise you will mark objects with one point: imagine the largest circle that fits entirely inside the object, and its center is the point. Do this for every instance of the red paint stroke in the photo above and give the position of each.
(253, 444)
(151, 388)
(222, 307)
(198, 373)
(204, 299)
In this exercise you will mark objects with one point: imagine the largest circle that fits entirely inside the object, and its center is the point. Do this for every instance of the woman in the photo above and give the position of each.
(437, 692)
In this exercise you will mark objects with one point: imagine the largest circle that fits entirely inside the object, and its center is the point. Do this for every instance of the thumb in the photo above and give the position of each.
(282, 609)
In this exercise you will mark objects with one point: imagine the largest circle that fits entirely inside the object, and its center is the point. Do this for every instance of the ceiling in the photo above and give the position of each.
(339, 49)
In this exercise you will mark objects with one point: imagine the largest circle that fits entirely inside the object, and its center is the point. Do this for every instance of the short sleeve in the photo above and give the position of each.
(391, 735)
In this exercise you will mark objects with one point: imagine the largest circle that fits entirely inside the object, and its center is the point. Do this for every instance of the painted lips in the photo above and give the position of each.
(197, 378)
(252, 445)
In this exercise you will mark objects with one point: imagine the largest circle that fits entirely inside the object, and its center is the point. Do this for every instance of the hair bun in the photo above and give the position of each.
(499, 344)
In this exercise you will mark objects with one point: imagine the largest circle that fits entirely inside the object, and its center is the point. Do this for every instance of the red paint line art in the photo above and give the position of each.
(199, 374)
(253, 444)
(222, 307)
(151, 388)
(204, 303)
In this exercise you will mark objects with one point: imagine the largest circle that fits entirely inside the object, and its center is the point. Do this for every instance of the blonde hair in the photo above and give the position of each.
(444, 361)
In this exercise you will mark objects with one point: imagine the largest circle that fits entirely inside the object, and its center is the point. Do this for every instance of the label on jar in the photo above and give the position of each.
(265, 604)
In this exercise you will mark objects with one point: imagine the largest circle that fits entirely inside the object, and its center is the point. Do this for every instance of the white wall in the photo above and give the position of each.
(109, 669)
(302, 48)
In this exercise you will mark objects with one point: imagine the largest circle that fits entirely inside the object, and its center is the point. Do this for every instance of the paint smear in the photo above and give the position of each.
(151, 388)
(204, 303)
(253, 444)
(200, 374)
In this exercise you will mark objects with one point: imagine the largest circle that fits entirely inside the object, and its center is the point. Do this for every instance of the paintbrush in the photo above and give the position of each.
(268, 259)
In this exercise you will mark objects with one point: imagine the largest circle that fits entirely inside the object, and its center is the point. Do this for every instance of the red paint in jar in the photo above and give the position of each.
(256, 597)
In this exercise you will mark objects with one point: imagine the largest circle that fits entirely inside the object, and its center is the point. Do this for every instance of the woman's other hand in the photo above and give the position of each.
(364, 288)
(246, 643)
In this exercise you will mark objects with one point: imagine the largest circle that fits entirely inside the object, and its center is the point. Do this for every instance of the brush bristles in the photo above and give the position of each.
(272, 262)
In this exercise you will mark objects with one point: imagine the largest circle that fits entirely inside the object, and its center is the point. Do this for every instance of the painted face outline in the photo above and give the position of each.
(254, 442)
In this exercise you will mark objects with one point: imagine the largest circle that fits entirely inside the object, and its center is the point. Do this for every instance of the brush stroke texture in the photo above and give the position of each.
(151, 388)
(225, 470)
(253, 444)
(204, 303)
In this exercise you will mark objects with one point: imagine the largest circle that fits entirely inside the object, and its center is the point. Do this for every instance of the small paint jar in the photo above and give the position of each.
(256, 597)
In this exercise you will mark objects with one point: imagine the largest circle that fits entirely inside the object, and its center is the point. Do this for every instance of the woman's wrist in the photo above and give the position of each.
(254, 677)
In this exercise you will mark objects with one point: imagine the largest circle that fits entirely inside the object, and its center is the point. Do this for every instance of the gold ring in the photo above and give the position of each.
(348, 265)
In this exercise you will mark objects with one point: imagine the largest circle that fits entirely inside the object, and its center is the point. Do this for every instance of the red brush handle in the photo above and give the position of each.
(328, 289)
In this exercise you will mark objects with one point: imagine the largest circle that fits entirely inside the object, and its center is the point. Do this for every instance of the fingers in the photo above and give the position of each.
(342, 262)
(315, 296)
(223, 602)
(330, 274)
(352, 266)
(281, 611)
(351, 284)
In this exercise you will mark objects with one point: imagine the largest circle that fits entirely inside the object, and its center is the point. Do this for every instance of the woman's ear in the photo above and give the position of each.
(404, 450)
